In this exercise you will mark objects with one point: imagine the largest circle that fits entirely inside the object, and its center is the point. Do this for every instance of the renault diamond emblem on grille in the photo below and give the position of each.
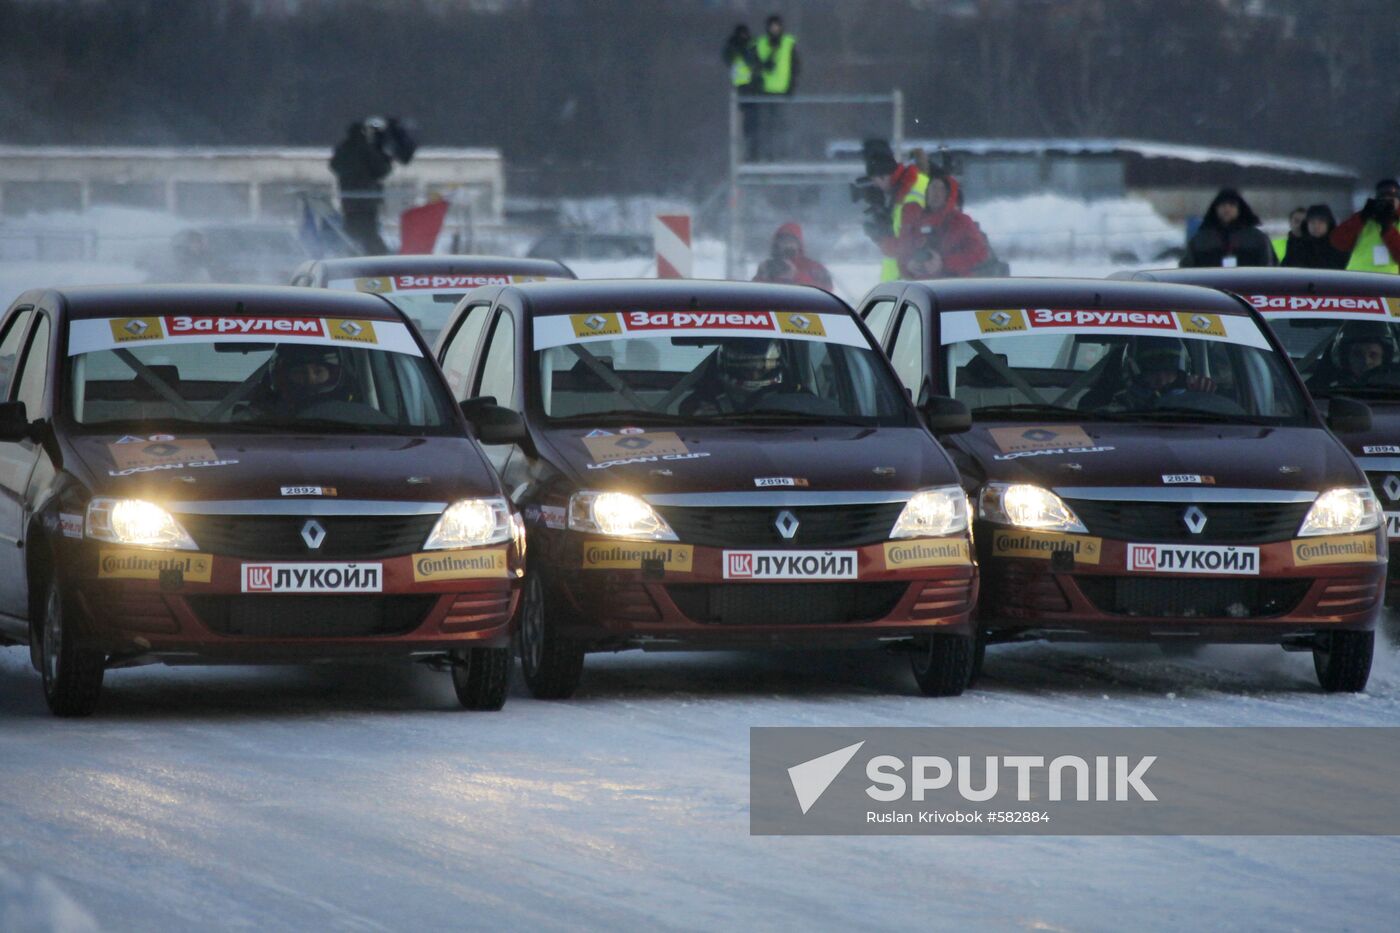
(313, 534)
(1195, 520)
(786, 523)
(1391, 487)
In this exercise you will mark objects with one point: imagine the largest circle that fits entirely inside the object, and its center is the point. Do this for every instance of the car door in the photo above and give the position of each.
(877, 314)
(907, 350)
(28, 384)
(497, 376)
(458, 352)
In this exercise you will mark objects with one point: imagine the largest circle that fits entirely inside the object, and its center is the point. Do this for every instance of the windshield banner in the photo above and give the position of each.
(960, 326)
(125, 333)
(1332, 307)
(435, 282)
(564, 329)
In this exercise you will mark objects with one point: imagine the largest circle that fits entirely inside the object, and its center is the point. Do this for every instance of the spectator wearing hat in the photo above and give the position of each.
(1229, 235)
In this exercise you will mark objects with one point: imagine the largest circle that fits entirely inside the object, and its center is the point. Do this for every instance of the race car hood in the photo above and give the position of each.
(1111, 454)
(242, 466)
(733, 459)
(1382, 440)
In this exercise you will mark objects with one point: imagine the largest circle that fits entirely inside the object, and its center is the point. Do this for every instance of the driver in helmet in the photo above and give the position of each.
(302, 376)
(745, 370)
(1365, 354)
(1160, 369)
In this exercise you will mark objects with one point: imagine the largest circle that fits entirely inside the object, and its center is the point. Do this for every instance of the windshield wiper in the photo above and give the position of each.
(1180, 413)
(1041, 409)
(321, 425)
(632, 414)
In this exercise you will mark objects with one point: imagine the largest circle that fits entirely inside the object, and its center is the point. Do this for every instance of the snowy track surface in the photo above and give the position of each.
(359, 798)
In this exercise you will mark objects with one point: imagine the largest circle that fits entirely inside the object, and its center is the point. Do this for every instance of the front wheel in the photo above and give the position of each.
(943, 664)
(481, 677)
(72, 673)
(553, 664)
(1343, 660)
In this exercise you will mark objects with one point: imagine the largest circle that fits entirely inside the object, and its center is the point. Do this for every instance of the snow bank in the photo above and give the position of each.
(31, 902)
(1050, 226)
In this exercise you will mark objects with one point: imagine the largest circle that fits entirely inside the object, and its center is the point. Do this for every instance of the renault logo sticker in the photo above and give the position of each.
(313, 534)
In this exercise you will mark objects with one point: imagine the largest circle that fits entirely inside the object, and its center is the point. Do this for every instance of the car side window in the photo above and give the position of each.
(32, 376)
(9, 348)
(497, 376)
(877, 318)
(461, 349)
(907, 354)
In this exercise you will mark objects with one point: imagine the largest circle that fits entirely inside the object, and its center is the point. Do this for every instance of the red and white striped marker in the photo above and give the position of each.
(670, 234)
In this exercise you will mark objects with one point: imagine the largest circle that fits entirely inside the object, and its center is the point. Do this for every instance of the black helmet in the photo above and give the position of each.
(1154, 354)
(293, 355)
(751, 364)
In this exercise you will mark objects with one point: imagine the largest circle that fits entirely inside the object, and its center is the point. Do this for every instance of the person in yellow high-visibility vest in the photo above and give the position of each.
(778, 68)
(1369, 236)
(742, 59)
(905, 189)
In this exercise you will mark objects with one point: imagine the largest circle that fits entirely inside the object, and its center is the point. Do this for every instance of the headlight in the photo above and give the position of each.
(1027, 506)
(471, 523)
(136, 522)
(1341, 511)
(932, 513)
(619, 514)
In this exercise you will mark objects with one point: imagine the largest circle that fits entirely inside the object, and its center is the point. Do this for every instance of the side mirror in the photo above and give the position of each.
(14, 422)
(1348, 416)
(495, 424)
(945, 415)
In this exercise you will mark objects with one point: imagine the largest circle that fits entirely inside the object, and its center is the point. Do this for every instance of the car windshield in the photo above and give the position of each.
(307, 374)
(1114, 365)
(429, 312)
(1351, 348)
(760, 366)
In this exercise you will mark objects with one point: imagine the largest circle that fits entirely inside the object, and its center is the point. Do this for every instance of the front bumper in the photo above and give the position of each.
(1077, 587)
(660, 595)
(134, 606)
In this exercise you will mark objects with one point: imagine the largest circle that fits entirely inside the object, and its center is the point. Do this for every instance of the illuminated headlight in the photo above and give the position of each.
(619, 514)
(135, 522)
(1025, 506)
(471, 523)
(1341, 511)
(933, 512)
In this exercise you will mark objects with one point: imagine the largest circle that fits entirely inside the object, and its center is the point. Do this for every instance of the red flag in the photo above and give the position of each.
(419, 227)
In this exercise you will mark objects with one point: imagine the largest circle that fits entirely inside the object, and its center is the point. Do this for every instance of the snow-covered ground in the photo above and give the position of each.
(356, 797)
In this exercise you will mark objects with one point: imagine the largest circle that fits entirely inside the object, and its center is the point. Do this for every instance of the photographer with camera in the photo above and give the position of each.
(789, 263)
(361, 162)
(1369, 236)
(893, 195)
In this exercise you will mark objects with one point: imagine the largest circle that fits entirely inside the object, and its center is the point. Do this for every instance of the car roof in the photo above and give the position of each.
(92, 301)
(1087, 294)
(544, 298)
(361, 266)
(1264, 280)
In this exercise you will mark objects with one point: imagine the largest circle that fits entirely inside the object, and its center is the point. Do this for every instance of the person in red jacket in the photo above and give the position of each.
(951, 245)
(789, 263)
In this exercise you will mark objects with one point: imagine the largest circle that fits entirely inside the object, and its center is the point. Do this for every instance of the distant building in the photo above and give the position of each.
(229, 183)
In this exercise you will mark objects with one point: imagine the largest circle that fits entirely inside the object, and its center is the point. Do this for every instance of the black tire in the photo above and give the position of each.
(942, 664)
(481, 677)
(552, 664)
(1343, 660)
(72, 673)
(979, 657)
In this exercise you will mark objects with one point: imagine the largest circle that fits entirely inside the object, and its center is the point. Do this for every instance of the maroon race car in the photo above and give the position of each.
(231, 474)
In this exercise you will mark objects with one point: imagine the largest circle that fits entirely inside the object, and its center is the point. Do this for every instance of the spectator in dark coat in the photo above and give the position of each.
(1313, 248)
(951, 245)
(361, 163)
(789, 262)
(1229, 235)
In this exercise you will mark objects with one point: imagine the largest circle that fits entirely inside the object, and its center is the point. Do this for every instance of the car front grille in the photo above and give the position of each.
(311, 616)
(273, 536)
(749, 526)
(1193, 598)
(1377, 481)
(786, 603)
(1226, 522)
